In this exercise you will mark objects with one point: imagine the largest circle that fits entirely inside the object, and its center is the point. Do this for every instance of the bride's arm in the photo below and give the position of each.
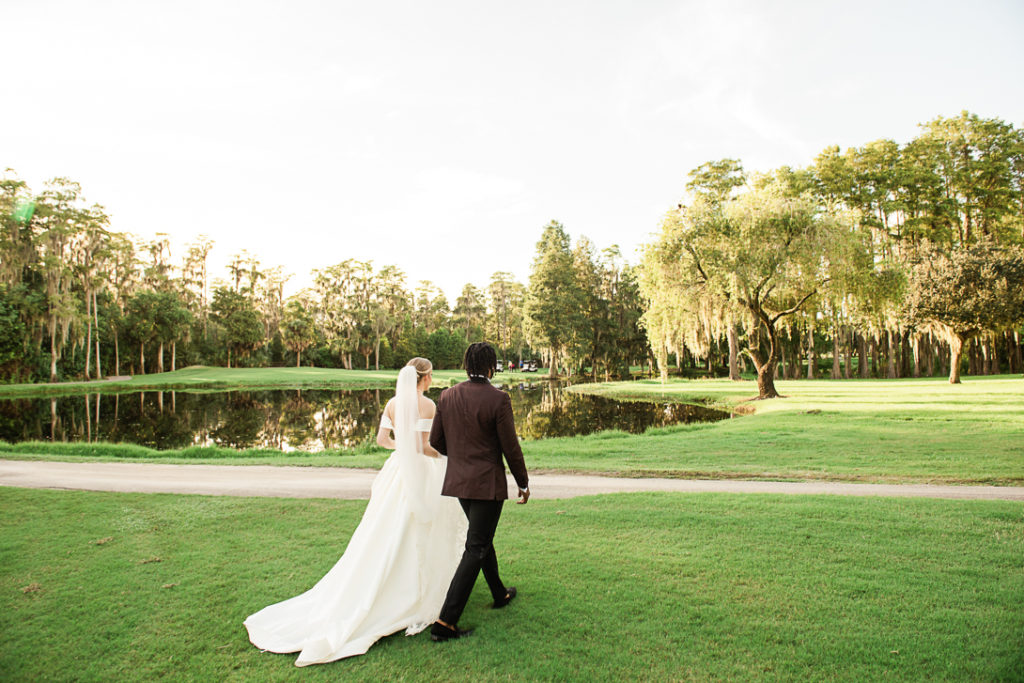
(427, 448)
(427, 410)
(384, 438)
(384, 433)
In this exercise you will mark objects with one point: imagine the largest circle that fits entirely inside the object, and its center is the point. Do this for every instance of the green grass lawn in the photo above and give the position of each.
(879, 430)
(103, 586)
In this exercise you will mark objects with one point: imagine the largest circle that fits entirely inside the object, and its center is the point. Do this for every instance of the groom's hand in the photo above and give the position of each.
(524, 495)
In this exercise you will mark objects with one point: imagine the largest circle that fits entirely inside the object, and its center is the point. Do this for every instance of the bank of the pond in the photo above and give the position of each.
(197, 378)
(922, 431)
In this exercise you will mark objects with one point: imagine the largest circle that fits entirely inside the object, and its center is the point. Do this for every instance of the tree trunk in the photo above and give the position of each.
(298, 358)
(1017, 351)
(160, 358)
(890, 354)
(875, 372)
(847, 352)
(663, 363)
(797, 364)
(1011, 367)
(956, 347)
(929, 355)
(767, 368)
(142, 358)
(53, 354)
(766, 380)
(915, 347)
(734, 353)
(811, 359)
(174, 356)
(863, 367)
(88, 336)
(96, 319)
(836, 374)
(376, 355)
(117, 356)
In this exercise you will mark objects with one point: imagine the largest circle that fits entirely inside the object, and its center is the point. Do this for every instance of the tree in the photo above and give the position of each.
(765, 252)
(976, 158)
(966, 292)
(90, 249)
(171, 323)
(298, 326)
(60, 217)
(552, 310)
(121, 277)
(431, 312)
(716, 181)
(239, 321)
(141, 314)
(12, 332)
(625, 340)
(470, 312)
(387, 307)
(504, 323)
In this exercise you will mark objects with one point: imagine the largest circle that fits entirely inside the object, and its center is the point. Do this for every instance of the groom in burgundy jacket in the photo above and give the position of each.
(473, 426)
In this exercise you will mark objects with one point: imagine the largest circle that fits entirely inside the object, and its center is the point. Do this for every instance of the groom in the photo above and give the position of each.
(473, 426)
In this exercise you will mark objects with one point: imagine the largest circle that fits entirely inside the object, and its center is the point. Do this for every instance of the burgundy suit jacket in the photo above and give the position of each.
(473, 426)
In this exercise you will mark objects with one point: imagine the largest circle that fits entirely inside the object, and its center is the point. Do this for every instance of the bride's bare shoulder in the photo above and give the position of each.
(427, 407)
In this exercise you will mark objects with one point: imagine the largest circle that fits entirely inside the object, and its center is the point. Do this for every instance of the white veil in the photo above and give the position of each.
(407, 412)
(409, 446)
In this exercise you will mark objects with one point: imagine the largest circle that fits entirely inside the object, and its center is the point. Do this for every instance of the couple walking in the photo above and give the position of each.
(427, 531)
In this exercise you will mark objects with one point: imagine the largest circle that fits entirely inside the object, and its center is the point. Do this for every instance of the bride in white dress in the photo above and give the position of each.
(395, 572)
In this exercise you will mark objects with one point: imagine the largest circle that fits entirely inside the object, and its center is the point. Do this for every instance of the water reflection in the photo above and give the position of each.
(294, 419)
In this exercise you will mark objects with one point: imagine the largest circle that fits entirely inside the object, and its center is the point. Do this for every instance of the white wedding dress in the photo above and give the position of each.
(396, 569)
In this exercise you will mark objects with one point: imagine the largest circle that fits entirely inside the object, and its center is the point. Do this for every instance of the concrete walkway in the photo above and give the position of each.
(340, 482)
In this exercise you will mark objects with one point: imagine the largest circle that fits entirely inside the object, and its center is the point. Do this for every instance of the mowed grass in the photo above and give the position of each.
(875, 430)
(922, 430)
(135, 587)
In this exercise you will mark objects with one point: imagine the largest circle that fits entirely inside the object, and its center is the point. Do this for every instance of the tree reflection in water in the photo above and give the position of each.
(308, 420)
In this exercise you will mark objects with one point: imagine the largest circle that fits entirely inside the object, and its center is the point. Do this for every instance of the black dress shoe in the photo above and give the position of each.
(510, 593)
(439, 632)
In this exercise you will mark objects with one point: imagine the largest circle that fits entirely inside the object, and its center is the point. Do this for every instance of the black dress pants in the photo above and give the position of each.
(483, 518)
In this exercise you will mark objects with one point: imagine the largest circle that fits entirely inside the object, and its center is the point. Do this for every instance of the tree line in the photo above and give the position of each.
(885, 260)
(891, 260)
(80, 301)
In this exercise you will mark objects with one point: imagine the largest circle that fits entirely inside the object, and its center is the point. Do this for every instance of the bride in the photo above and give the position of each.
(395, 572)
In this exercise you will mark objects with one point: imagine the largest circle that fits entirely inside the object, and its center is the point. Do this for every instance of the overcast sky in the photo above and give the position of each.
(442, 136)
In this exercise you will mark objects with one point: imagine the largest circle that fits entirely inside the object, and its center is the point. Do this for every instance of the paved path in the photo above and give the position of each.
(340, 482)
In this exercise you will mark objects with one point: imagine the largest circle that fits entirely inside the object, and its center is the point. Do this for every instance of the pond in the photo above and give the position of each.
(302, 419)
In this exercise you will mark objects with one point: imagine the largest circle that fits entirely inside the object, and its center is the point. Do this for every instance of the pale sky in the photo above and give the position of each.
(442, 136)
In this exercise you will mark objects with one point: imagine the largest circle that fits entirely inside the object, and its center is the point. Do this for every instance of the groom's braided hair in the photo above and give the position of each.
(480, 359)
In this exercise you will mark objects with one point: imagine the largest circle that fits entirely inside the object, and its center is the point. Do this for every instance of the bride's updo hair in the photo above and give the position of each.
(423, 367)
